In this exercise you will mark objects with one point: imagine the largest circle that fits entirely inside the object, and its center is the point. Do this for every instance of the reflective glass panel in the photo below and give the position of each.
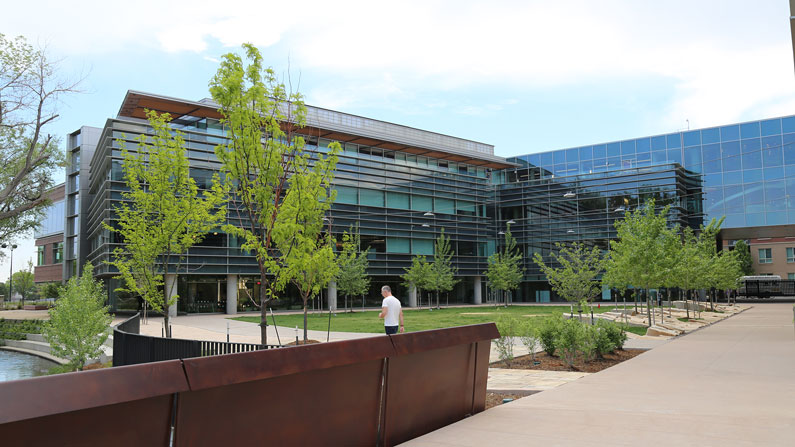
(749, 130)
(772, 157)
(710, 136)
(600, 151)
(788, 124)
(572, 155)
(628, 147)
(754, 197)
(643, 145)
(586, 153)
(613, 150)
(771, 127)
(775, 196)
(692, 138)
(658, 143)
(674, 141)
(752, 160)
(675, 156)
(559, 157)
(730, 133)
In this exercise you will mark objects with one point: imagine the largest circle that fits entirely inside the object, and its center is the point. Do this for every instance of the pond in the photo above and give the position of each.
(16, 365)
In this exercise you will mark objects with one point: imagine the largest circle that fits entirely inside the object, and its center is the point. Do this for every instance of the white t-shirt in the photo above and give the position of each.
(392, 317)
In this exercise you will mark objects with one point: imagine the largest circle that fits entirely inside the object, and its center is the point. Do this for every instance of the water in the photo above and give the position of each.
(16, 365)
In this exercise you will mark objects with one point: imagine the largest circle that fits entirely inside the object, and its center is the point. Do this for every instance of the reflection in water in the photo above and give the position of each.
(16, 365)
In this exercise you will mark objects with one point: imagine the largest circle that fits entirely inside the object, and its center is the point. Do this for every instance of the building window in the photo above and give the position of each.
(790, 275)
(790, 254)
(765, 255)
(57, 253)
(40, 249)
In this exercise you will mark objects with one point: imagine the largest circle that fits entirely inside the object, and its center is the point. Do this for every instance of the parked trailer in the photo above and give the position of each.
(760, 286)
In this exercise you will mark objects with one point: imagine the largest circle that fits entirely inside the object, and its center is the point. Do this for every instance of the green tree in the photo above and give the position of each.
(163, 215)
(690, 265)
(638, 257)
(51, 290)
(352, 278)
(418, 276)
(505, 269)
(743, 254)
(441, 275)
(30, 90)
(263, 157)
(306, 253)
(23, 282)
(79, 322)
(575, 276)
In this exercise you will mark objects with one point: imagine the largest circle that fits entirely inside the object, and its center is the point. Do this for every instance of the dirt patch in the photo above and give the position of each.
(302, 342)
(552, 363)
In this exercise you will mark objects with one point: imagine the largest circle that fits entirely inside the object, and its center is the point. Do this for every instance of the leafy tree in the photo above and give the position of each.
(263, 158)
(30, 89)
(575, 277)
(743, 254)
(163, 215)
(352, 278)
(50, 290)
(23, 282)
(307, 253)
(441, 277)
(637, 256)
(79, 321)
(505, 269)
(417, 276)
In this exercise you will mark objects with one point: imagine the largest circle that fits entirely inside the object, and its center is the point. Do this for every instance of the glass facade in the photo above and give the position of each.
(403, 186)
(748, 169)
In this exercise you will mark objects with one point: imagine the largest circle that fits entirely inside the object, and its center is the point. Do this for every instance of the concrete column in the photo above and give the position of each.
(231, 294)
(413, 297)
(478, 297)
(332, 296)
(171, 286)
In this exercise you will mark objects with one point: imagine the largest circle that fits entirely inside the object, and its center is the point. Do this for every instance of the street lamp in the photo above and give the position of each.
(11, 269)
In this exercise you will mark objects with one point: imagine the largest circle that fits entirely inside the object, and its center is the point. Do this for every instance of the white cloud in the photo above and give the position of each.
(724, 58)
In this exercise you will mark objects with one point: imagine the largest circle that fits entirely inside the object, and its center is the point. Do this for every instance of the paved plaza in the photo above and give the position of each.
(729, 384)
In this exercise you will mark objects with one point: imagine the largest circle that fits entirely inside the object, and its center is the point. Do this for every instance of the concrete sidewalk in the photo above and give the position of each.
(729, 384)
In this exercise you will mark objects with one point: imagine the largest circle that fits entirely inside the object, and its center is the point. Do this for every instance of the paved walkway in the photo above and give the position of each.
(729, 384)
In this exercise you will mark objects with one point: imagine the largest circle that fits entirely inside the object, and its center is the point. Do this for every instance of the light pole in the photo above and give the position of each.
(11, 269)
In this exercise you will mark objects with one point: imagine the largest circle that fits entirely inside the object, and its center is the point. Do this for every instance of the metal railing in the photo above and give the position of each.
(131, 348)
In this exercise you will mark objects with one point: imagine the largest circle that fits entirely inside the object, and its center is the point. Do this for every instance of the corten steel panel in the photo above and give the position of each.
(137, 423)
(481, 376)
(334, 406)
(210, 372)
(428, 390)
(62, 393)
(441, 338)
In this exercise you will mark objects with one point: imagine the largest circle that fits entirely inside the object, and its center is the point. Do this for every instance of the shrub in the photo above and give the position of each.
(599, 338)
(507, 326)
(570, 340)
(528, 335)
(547, 332)
(616, 334)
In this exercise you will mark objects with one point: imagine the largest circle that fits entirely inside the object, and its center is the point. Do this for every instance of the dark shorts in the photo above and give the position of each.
(391, 329)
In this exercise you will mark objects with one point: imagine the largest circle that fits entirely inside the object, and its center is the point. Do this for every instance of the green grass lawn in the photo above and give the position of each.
(415, 319)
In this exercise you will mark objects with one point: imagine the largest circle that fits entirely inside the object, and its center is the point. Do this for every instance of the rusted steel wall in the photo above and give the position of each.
(375, 391)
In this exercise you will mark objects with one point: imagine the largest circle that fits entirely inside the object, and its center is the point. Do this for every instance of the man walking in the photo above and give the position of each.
(391, 312)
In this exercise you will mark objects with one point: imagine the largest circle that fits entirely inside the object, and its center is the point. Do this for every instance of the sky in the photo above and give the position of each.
(524, 76)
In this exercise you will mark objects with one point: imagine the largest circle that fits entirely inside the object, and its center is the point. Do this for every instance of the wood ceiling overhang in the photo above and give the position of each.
(136, 103)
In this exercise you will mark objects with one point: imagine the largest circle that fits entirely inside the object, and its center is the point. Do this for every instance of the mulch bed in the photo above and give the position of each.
(301, 342)
(552, 363)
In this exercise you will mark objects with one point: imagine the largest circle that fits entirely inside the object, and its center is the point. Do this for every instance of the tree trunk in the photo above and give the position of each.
(263, 325)
(166, 317)
(305, 336)
(648, 309)
(687, 308)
